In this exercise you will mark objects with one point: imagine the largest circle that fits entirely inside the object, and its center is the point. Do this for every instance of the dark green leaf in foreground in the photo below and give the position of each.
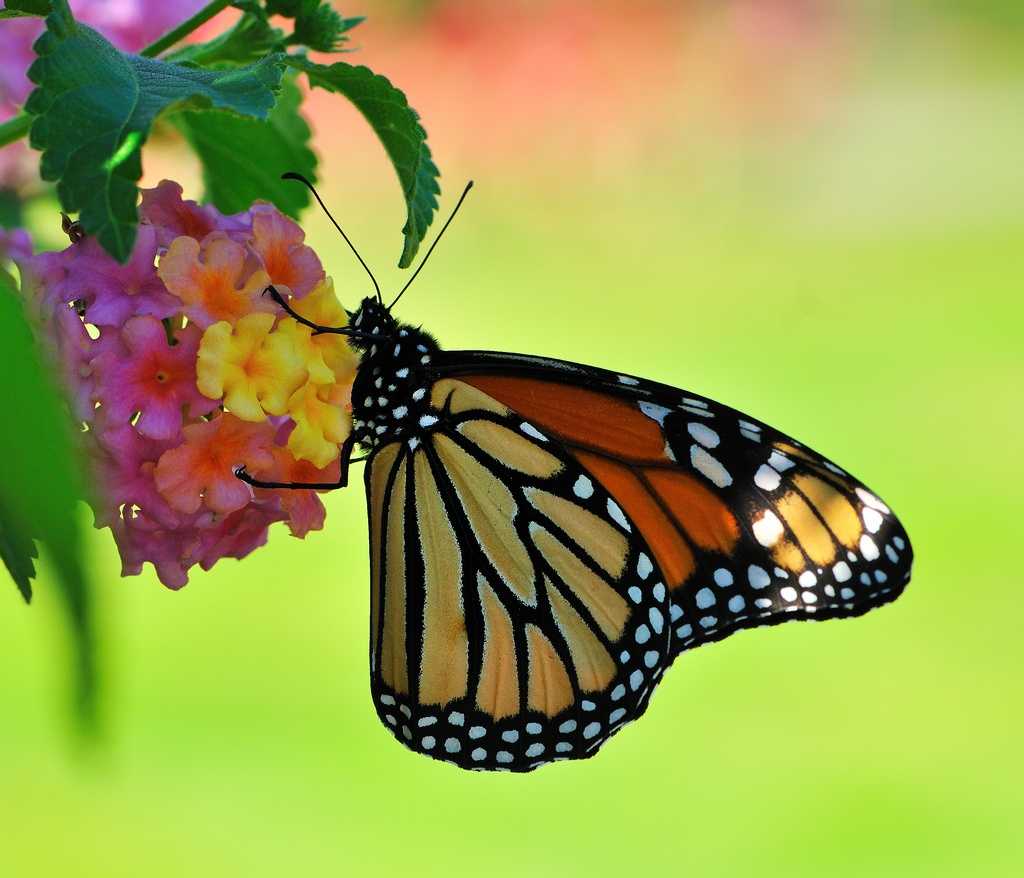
(40, 486)
(94, 107)
(11, 213)
(398, 127)
(243, 159)
(22, 8)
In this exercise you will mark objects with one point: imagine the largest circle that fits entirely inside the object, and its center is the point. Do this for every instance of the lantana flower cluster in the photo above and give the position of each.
(181, 369)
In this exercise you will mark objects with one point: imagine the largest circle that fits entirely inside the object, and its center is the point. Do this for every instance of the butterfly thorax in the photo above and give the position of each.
(391, 389)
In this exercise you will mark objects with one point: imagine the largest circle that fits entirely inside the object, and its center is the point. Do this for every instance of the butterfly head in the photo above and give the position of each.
(371, 319)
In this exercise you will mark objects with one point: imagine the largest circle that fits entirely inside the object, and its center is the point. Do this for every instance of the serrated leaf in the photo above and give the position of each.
(40, 487)
(243, 159)
(24, 8)
(398, 127)
(251, 38)
(94, 108)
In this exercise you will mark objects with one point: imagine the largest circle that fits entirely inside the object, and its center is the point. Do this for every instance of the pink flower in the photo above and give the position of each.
(134, 24)
(237, 534)
(163, 208)
(140, 539)
(151, 377)
(124, 461)
(16, 55)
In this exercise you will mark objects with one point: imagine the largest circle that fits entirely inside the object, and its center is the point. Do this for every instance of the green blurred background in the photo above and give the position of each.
(810, 210)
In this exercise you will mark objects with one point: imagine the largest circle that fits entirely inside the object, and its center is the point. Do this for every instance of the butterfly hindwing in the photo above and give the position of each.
(517, 615)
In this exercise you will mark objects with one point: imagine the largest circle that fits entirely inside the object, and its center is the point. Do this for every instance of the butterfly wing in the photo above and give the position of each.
(747, 526)
(516, 614)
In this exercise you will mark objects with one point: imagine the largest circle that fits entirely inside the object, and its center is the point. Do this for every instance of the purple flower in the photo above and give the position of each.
(112, 292)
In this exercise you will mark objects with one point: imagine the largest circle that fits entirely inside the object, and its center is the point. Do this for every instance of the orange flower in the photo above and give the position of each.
(214, 279)
(202, 470)
(278, 242)
(304, 509)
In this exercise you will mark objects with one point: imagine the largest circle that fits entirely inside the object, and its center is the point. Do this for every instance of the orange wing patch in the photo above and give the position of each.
(612, 425)
(670, 548)
(675, 513)
(706, 519)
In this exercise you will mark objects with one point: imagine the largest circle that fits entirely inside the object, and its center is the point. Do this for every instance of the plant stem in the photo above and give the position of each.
(16, 128)
(185, 28)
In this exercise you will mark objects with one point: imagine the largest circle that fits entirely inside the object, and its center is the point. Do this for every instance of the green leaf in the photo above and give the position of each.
(251, 38)
(94, 108)
(243, 159)
(23, 8)
(40, 488)
(11, 213)
(317, 24)
(398, 127)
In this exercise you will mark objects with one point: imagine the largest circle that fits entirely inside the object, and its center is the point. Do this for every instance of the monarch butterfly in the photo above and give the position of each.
(546, 538)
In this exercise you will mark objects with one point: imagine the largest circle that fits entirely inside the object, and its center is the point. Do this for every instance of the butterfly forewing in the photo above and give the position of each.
(747, 526)
(517, 615)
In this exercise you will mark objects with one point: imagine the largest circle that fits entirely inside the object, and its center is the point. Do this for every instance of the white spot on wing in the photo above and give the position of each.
(872, 519)
(842, 572)
(703, 434)
(871, 500)
(868, 548)
(654, 411)
(779, 462)
(531, 430)
(766, 478)
(616, 513)
(767, 529)
(625, 379)
(696, 411)
(584, 488)
(758, 577)
(709, 467)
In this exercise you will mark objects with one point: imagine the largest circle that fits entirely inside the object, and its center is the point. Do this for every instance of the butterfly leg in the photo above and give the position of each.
(316, 327)
(342, 482)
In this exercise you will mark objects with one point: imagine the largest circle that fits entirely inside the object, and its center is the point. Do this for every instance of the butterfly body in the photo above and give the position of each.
(390, 388)
(546, 538)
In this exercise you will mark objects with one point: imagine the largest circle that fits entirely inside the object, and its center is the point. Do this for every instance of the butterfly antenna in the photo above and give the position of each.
(423, 261)
(291, 175)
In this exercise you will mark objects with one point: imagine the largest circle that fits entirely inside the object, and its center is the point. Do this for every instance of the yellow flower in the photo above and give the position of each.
(321, 307)
(254, 369)
(308, 350)
(321, 423)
